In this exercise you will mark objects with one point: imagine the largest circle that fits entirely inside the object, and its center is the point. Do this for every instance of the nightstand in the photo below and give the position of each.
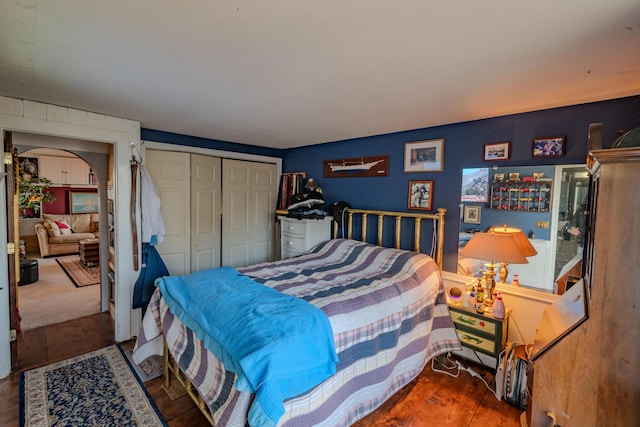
(480, 332)
(297, 236)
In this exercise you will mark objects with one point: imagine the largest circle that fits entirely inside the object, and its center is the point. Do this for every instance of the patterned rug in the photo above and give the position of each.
(79, 274)
(95, 389)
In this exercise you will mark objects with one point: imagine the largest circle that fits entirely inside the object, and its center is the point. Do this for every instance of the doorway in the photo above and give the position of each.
(59, 287)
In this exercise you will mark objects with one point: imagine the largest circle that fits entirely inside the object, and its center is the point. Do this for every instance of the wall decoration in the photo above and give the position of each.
(83, 202)
(552, 146)
(356, 166)
(28, 168)
(420, 195)
(497, 151)
(472, 214)
(475, 185)
(424, 156)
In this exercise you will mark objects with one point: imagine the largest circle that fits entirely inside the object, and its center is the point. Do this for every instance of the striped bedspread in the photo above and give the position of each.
(388, 312)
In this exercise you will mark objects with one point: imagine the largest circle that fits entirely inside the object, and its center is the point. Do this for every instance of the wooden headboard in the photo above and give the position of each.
(438, 218)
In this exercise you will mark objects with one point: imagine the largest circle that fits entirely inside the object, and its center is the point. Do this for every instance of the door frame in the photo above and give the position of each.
(17, 115)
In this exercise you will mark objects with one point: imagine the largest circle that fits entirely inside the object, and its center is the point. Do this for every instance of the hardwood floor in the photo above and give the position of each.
(432, 399)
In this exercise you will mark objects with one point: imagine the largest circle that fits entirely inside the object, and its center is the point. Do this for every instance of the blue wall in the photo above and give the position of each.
(463, 148)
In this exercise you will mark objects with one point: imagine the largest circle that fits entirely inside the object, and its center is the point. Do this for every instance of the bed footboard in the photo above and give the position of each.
(170, 368)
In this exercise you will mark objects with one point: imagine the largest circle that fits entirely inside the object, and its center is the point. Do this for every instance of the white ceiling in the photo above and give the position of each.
(293, 72)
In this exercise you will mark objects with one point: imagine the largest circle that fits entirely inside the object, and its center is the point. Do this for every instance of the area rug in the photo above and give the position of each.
(98, 388)
(79, 274)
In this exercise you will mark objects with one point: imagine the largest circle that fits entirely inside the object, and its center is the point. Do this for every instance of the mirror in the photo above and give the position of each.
(545, 202)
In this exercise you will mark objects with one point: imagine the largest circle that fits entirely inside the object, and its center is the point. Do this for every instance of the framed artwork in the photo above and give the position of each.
(472, 214)
(357, 166)
(420, 195)
(497, 151)
(553, 146)
(83, 202)
(28, 168)
(424, 156)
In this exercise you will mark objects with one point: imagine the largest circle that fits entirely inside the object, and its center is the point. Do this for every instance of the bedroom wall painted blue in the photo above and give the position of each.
(464, 147)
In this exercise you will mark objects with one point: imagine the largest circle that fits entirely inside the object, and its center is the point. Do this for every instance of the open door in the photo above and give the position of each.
(12, 237)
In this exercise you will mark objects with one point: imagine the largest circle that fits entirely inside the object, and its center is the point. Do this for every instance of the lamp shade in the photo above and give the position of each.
(311, 184)
(494, 247)
(525, 245)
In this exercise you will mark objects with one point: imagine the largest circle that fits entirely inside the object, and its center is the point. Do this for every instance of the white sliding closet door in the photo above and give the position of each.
(170, 172)
(249, 196)
(195, 191)
(206, 212)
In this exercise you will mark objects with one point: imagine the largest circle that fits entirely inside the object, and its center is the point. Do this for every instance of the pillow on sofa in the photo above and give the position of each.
(65, 229)
(52, 228)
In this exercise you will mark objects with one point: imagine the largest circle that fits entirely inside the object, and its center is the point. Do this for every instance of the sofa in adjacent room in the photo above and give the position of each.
(60, 234)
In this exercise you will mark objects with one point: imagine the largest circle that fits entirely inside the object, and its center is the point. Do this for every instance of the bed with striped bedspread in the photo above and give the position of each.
(388, 312)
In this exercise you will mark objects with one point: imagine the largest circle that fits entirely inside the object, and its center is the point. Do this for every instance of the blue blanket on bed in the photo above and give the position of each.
(278, 345)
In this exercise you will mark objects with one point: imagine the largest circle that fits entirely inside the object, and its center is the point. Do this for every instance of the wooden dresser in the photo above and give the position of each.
(591, 377)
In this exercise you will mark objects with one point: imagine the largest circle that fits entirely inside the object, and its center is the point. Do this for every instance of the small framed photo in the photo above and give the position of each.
(424, 156)
(497, 151)
(472, 214)
(553, 146)
(420, 195)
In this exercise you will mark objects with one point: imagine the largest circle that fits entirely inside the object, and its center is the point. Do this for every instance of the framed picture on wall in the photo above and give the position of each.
(552, 146)
(497, 151)
(81, 202)
(424, 156)
(472, 214)
(420, 195)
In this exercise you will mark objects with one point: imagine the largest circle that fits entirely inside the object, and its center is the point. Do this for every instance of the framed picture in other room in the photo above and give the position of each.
(424, 156)
(82, 202)
(420, 195)
(497, 151)
(553, 146)
(472, 214)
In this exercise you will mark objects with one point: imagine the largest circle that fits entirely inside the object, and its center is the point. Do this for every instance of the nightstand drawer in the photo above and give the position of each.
(473, 323)
(484, 344)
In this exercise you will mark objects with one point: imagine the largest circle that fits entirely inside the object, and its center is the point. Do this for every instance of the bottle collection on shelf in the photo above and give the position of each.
(474, 298)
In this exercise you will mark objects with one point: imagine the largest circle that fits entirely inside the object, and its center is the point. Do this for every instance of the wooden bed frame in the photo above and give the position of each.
(171, 366)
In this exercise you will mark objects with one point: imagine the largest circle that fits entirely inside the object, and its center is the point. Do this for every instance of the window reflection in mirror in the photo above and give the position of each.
(542, 201)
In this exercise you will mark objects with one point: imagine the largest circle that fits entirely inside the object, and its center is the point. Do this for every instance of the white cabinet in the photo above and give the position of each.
(299, 235)
(65, 170)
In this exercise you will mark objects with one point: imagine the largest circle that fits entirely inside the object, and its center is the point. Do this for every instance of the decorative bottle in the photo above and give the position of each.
(498, 307)
(465, 295)
(472, 299)
(515, 281)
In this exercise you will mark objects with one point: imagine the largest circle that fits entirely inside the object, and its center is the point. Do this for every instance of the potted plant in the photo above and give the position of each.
(32, 193)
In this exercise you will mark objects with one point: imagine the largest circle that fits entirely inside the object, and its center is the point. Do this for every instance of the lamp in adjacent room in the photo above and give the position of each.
(525, 245)
(502, 248)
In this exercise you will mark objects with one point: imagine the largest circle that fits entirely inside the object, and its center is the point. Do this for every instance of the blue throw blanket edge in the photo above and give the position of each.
(318, 360)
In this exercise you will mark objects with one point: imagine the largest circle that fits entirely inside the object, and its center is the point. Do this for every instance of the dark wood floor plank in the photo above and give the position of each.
(432, 399)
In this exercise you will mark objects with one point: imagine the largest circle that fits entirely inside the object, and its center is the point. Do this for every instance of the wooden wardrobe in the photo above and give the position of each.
(592, 376)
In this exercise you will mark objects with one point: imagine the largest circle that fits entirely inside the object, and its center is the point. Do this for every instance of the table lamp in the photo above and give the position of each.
(492, 247)
(525, 246)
